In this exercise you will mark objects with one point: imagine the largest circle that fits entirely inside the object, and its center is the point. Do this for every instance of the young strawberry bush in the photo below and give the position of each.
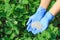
(14, 15)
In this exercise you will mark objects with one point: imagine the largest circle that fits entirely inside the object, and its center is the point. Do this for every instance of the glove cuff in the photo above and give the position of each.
(49, 16)
(41, 10)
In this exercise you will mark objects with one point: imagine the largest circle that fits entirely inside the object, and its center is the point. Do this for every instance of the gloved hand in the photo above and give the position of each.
(36, 17)
(42, 24)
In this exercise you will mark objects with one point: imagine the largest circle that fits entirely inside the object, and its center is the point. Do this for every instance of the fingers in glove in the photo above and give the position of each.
(29, 28)
(29, 21)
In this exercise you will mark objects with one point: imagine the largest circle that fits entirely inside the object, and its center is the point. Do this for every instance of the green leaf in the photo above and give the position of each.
(24, 1)
(23, 22)
(27, 38)
(12, 35)
(0, 22)
(46, 34)
(6, 1)
(16, 30)
(10, 10)
(10, 24)
(17, 39)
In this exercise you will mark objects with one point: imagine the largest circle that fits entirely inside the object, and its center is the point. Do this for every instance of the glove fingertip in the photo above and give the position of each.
(34, 31)
(43, 28)
(29, 21)
(29, 28)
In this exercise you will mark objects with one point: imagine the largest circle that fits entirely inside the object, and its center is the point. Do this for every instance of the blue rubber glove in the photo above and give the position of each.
(36, 17)
(44, 22)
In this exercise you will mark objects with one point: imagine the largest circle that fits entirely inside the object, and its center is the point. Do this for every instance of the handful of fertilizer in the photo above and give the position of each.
(36, 25)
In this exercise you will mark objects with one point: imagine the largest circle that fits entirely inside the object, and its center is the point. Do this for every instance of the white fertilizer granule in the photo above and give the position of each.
(36, 25)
